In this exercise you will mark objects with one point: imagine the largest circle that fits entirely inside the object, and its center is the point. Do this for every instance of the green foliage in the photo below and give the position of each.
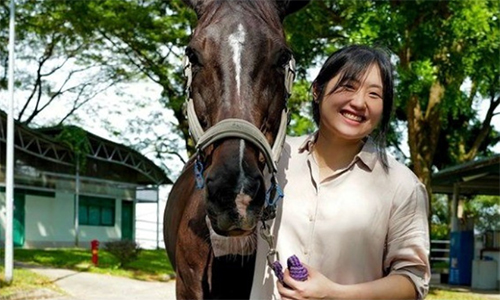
(76, 139)
(125, 251)
(439, 232)
(454, 43)
(440, 220)
(300, 123)
(486, 212)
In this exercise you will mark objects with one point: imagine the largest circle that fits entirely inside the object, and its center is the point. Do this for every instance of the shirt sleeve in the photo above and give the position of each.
(407, 251)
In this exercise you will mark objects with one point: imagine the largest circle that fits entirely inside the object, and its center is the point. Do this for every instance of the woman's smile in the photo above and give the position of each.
(352, 116)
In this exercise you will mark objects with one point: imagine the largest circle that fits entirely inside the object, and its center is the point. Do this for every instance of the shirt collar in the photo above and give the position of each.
(368, 154)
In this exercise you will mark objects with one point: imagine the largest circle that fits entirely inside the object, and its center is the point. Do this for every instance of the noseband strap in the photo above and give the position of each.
(238, 128)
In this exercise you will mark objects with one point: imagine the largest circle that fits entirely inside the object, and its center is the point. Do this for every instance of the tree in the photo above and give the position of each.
(446, 56)
(71, 51)
(439, 47)
(486, 212)
(50, 60)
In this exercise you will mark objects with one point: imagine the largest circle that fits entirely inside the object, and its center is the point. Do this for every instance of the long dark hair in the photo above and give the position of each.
(352, 62)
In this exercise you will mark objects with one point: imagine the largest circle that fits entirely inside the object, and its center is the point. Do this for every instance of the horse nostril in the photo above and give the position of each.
(211, 184)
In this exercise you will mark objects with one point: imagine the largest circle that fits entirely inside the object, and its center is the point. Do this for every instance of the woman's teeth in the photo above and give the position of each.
(352, 117)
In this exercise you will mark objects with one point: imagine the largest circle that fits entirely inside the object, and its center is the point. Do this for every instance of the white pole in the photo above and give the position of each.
(77, 202)
(9, 176)
(157, 217)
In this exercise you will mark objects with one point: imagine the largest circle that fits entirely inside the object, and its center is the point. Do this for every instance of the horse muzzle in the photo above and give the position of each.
(230, 222)
(234, 213)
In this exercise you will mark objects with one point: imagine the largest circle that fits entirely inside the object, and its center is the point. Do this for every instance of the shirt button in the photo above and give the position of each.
(311, 218)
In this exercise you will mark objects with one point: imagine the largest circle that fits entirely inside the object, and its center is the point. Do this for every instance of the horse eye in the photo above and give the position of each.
(283, 59)
(192, 56)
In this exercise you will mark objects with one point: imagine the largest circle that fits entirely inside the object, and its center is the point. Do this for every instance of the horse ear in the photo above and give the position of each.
(290, 6)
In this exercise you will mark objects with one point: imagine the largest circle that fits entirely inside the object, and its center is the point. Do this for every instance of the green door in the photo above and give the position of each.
(18, 219)
(127, 220)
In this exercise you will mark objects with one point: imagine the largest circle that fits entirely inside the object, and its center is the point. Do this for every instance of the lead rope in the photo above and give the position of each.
(273, 195)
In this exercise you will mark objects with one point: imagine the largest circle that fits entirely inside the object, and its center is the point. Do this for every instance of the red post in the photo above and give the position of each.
(94, 245)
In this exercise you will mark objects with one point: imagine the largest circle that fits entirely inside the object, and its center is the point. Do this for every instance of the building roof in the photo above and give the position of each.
(479, 177)
(107, 160)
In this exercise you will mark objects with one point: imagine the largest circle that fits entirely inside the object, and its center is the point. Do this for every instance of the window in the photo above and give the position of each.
(96, 211)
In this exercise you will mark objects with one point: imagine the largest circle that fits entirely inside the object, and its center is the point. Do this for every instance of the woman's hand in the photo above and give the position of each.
(317, 286)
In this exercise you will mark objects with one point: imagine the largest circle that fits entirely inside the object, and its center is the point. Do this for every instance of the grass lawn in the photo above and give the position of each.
(23, 281)
(151, 264)
(439, 294)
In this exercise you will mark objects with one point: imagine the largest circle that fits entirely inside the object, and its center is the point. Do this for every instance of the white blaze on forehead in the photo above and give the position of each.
(242, 174)
(236, 41)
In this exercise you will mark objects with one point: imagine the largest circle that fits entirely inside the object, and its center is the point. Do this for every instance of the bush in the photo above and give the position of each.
(125, 251)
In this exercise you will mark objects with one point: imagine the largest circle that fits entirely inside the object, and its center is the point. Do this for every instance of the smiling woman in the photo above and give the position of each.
(355, 216)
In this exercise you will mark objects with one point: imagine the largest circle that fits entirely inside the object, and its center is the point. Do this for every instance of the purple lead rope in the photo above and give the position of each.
(278, 270)
(295, 267)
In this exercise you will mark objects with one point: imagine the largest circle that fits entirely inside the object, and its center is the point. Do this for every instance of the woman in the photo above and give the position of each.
(353, 215)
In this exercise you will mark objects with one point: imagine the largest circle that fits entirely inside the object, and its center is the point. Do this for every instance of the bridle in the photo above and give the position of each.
(239, 128)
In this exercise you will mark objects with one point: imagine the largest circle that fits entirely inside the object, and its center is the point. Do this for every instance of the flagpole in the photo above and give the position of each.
(9, 176)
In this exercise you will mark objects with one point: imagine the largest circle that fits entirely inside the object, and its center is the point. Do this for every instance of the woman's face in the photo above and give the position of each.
(353, 110)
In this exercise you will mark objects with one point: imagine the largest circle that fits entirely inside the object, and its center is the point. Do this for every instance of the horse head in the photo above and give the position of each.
(239, 71)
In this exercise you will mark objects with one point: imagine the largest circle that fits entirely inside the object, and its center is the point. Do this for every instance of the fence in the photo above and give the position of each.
(440, 253)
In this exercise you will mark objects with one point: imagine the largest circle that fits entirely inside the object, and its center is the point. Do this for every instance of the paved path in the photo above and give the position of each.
(91, 286)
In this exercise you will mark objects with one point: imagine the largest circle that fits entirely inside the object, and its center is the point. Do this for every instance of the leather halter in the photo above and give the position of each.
(238, 128)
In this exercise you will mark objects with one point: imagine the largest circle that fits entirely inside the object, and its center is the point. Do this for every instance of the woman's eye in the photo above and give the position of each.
(348, 87)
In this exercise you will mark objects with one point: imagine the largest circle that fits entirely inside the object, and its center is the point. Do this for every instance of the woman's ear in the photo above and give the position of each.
(315, 93)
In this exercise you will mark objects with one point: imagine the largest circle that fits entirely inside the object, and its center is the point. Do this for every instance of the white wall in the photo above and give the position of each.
(49, 222)
(48, 219)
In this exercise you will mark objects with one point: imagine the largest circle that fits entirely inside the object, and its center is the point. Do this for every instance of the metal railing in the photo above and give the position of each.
(440, 251)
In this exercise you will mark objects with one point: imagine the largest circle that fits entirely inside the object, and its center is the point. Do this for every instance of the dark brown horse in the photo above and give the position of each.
(239, 73)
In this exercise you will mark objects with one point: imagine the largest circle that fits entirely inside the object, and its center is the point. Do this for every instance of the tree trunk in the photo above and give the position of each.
(423, 133)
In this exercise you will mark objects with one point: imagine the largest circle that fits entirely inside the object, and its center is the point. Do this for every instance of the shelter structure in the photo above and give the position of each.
(71, 186)
(467, 260)
(479, 177)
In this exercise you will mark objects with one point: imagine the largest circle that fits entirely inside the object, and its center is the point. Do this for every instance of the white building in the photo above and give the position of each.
(59, 202)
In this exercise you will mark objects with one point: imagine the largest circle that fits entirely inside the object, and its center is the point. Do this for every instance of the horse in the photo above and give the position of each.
(239, 73)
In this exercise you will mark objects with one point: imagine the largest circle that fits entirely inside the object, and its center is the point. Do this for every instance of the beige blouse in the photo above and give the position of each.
(359, 225)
